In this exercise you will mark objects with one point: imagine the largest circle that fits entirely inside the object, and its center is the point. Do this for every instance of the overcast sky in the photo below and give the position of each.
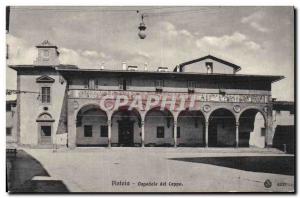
(259, 39)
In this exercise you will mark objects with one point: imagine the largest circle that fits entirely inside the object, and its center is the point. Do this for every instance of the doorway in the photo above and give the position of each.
(126, 133)
(45, 134)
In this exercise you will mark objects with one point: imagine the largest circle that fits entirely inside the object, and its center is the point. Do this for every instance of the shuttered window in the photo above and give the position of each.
(46, 97)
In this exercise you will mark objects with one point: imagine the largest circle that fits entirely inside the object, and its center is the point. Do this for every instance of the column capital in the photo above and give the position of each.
(142, 122)
(109, 122)
(237, 123)
(175, 123)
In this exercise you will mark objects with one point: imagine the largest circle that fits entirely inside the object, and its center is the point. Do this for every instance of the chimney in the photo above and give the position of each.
(124, 65)
(132, 68)
(146, 66)
(162, 69)
(102, 66)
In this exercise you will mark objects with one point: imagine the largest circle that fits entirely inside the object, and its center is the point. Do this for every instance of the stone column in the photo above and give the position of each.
(175, 134)
(71, 125)
(143, 133)
(237, 134)
(206, 133)
(269, 128)
(109, 132)
(269, 133)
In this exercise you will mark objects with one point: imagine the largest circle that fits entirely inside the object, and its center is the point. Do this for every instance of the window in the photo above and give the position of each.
(88, 131)
(120, 82)
(8, 107)
(96, 83)
(160, 132)
(45, 131)
(86, 83)
(46, 53)
(263, 131)
(124, 83)
(104, 131)
(191, 86)
(8, 131)
(159, 85)
(90, 83)
(209, 67)
(46, 98)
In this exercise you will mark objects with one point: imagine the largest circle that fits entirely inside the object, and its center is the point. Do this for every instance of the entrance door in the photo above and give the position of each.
(45, 135)
(126, 133)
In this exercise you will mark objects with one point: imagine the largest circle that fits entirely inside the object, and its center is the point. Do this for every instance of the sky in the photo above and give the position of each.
(259, 39)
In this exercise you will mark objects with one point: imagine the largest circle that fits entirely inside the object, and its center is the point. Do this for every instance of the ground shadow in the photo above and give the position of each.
(267, 164)
(21, 168)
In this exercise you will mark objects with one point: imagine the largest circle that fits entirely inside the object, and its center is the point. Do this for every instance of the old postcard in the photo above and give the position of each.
(150, 99)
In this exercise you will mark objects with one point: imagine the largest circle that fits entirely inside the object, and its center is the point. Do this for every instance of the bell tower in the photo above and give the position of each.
(47, 54)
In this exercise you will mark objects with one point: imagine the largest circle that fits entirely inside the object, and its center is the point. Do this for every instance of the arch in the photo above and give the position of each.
(126, 127)
(159, 126)
(200, 111)
(221, 128)
(252, 127)
(126, 108)
(90, 105)
(253, 107)
(221, 107)
(91, 126)
(191, 128)
(45, 117)
(158, 108)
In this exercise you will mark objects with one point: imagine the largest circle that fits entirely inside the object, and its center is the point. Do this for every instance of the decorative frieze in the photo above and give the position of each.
(202, 97)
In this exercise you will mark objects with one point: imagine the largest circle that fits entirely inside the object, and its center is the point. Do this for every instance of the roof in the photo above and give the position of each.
(235, 67)
(191, 75)
(67, 70)
(62, 66)
(284, 106)
(11, 101)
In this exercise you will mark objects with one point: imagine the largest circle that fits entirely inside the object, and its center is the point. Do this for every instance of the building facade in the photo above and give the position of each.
(11, 123)
(201, 103)
(284, 126)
